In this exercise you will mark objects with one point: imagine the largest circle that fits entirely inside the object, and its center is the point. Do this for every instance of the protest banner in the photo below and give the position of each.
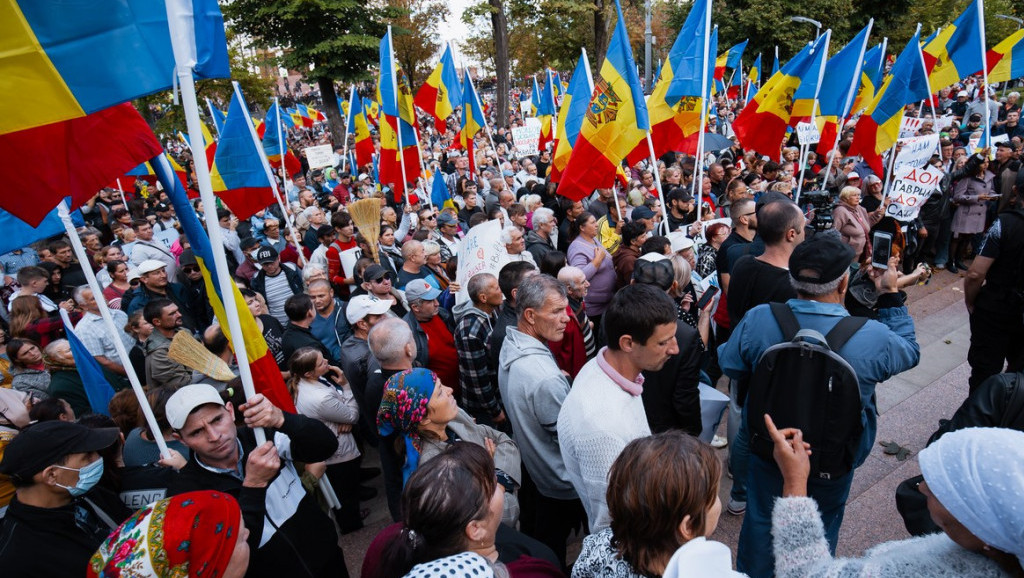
(527, 137)
(481, 251)
(944, 122)
(911, 187)
(526, 107)
(915, 151)
(807, 133)
(910, 125)
(319, 156)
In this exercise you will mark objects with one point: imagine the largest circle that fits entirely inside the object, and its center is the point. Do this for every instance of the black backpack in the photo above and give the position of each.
(804, 383)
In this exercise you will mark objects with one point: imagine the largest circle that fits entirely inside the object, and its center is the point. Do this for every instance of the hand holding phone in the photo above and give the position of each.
(706, 298)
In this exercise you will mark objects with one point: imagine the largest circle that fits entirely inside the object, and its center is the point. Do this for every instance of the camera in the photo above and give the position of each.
(821, 203)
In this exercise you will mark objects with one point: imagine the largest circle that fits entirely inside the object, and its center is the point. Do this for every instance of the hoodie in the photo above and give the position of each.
(533, 388)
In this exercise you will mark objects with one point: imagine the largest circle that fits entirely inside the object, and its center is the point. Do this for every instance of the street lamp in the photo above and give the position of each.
(811, 21)
(1013, 18)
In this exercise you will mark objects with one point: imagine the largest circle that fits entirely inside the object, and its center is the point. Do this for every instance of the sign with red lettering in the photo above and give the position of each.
(911, 187)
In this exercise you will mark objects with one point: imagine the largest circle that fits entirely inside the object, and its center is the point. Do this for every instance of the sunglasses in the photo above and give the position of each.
(190, 268)
(430, 218)
(382, 280)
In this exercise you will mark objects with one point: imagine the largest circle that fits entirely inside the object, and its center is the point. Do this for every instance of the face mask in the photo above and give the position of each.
(88, 476)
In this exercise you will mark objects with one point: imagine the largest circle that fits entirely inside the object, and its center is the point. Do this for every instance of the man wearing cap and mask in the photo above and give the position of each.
(289, 535)
(57, 518)
(819, 271)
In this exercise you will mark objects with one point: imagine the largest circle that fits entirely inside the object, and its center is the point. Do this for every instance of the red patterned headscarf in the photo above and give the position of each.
(191, 534)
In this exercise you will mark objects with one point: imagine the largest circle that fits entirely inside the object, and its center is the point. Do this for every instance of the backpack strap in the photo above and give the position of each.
(786, 319)
(843, 331)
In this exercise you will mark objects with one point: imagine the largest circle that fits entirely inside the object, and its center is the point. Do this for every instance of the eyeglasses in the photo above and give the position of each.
(430, 218)
(381, 280)
(190, 268)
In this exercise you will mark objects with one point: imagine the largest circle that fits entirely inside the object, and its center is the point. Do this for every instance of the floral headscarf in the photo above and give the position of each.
(191, 534)
(403, 407)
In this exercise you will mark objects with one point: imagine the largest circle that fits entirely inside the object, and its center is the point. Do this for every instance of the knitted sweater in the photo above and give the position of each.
(801, 551)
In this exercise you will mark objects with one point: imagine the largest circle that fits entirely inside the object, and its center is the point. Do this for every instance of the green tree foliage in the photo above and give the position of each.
(415, 36)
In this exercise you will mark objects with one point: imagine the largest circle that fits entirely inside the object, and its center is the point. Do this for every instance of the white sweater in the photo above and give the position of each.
(598, 418)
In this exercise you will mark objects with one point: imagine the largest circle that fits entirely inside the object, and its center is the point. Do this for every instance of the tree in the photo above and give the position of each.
(334, 39)
(415, 36)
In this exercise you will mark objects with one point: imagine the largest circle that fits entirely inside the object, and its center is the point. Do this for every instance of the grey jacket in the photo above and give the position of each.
(533, 389)
(506, 453)
(160, 369)
(32, 381)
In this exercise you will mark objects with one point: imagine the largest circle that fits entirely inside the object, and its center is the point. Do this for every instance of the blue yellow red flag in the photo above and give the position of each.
(237, 172)
(357, 126)
(273, 147)
(842, 77)
(398, 148)
(546, 111)
(871, 74)
(957, 50)
(806, 96)
(97, 389)
(439, 95)
(1005, 61)
(473, 119)
(570, 116)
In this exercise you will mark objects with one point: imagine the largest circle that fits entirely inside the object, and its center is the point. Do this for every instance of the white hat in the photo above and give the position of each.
(186, 400)
(362, 305)
(961, 93)
(363, 176)
(150, 265)
(680, 242)
(853, 175)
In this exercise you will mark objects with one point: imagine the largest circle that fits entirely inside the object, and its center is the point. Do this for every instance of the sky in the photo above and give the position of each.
(454, 30)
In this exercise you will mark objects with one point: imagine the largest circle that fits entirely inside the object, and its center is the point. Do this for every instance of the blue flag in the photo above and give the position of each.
(439, 191)
(97, 388)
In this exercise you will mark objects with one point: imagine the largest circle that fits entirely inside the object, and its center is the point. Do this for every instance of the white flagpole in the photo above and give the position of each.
(209, 105)
(938, 147)
(554, 106)
(698, 176)
(892, 151)
(854, 84)
(814, 113)
(281, 143)
(984, 74)
(348, 129)
(269, 173)
(108, 322)
(184, 61)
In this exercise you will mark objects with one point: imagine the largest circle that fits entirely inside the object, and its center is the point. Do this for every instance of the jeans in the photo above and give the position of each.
(755, 555)
(739, 444)
(944, 234)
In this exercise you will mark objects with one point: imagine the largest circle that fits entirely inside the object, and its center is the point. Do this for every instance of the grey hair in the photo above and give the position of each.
(476, 285)
(534, 290)
(506, 236)
(431, 247)
(682, 270)
(387, 340)
(569, 276)
(410, 247)
(817, 289)
(79, 292)
(542, 216)
(531, 202)
(310, 270)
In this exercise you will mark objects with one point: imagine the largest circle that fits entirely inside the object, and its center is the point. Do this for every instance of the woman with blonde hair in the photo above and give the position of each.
(853, 222)
(30, 321)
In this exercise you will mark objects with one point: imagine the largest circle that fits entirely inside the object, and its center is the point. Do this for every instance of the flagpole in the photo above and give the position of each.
(108, 322)
(398, 117)
(657, 177)
(854, 83)
(267, 170)
(554, 107)
(814, 114)
(209, 105)
(351, 114)
(281, 143)
(699, 165)
(984, 73)
(928, 82)
(227, 287)
(124, 201)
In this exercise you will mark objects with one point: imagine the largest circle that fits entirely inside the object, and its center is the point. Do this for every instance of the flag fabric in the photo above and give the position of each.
(305, 119)
(440, 197)
(534, 97)
(842, 77)
(570, 116)
(733, 92)
(217, 116)
(879, 126)
(473, 119)
(97, 388)
(775, 63)
(615, 121)
(675, 104)
(729, 59)
(78, 156)
(356, 125)
(272, 145)
(266, 375)
(806, 96)
(439, 95)
(64, 60)
(397, 135)
(18, 233)
(956, 51)
(761, 125)
(546, 112)
(146, 171)
(237, 172)
(1006, 60)
(371, 108)
(871, 73)
(753, 78)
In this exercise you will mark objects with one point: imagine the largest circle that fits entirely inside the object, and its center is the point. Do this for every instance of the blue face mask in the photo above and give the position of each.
(88, 477)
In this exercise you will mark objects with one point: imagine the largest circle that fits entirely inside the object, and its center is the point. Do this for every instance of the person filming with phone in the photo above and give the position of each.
(854, 222)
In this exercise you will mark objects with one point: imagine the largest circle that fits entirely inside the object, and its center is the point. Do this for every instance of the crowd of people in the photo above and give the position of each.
(559, 393)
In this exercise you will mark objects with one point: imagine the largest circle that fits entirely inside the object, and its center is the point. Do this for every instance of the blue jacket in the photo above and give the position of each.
(880, 350)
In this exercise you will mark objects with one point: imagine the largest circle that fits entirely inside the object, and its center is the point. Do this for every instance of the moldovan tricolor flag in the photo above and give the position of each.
(546, 111)
(753, 78)
(675, 105)
(397, 135)
(237, 173)
(879, 127)
(1006, 59)
(615, 121)
(956, 51)
(870, 77)
(266, 376)
(570, 116)
(806, 96)
(762, 124)
(439, 95)
(356, 125)
(842, 75)
(272, 145)
(473, 119)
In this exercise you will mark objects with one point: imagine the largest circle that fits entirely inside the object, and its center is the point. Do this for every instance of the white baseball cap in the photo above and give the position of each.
(150, 265)
(362, 305)
(186, 400)
(680, 242)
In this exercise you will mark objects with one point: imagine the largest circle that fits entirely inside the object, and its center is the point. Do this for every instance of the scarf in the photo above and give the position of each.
(192, 534)
(403, 407)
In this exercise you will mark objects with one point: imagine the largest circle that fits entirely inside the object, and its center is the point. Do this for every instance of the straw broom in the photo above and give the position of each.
(187, 351)
(366, 217)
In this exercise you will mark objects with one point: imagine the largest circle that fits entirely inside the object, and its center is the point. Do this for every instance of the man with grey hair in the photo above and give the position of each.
(542, 238)
(578, 346)
(92, 331)
(477, 380)
(393, 350)
(533, 388)
(819, 272)
(515, 245)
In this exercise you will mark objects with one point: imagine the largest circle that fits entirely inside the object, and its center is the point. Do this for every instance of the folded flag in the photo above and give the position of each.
(97, 389)
(237, 173)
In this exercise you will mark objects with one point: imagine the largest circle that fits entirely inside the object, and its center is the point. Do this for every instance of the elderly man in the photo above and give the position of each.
(287, 528)
(541, 239)
(154, 284)
(414, 266)
(515, 246)
(432, 326)
(165, 317)
(534, 388)
(448, 225)
(477, 378)
(92, 331)
(578, 346)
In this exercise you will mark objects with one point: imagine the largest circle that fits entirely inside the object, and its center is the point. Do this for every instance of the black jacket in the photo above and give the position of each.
(296, 337)
(259, 282)
(671, 396)
(308, 537)
(42, 542)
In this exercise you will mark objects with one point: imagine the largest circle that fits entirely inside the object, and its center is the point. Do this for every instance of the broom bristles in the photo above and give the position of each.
(365, 215)
(187, 351)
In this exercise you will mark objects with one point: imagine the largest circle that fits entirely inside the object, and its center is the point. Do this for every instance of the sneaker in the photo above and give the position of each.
(719, 442)
(736, 508)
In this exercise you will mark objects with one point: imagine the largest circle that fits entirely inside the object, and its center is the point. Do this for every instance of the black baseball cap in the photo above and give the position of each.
(642, 212)
(44, 444)
(654, 269)
(266, 255)
(820, 259)
(375, 272)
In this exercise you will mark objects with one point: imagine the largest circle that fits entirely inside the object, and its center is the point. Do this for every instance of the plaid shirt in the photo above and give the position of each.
(479, 382)
(94, 336)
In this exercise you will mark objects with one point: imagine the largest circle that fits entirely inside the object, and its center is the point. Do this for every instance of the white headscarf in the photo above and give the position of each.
(464, 565)
(978, 475)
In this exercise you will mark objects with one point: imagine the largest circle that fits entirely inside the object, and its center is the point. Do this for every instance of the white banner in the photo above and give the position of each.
(527, 138)
(909, 126)
(911, 187)
(481, 251)
(525, 107)
(944, 122)
(916, 151)
(319, 156)
(348, 263)
(807, 133)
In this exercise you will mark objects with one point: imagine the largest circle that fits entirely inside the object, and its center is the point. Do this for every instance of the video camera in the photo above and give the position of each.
(821, 203)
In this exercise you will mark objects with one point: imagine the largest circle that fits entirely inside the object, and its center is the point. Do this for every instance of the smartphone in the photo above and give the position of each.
(881, 249)
(706, 298)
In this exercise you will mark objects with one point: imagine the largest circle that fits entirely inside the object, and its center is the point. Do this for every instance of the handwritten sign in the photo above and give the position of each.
(481, 251)
(807, 133)
(916, 151)
(319, 156)
(527, 137)
(911, 187)
(910, 125)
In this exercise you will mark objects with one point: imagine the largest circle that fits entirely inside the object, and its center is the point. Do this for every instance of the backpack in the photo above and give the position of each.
(804, 383)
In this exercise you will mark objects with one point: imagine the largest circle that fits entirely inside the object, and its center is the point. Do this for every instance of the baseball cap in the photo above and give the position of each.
(362, 305)
(975, 117)
(820, 259)
(853, 176)
(1006, 144)
(188, 257)
(363, 176)
(161, 207)
(187, 399)
(642, 212)
(266, 255)
(42, 445)
(507, 173)
(962, 93)
(420, 289)
(248, 243)
(375, 272)
(654, 269)
(446, 219)
(150, 265)
(679, 241)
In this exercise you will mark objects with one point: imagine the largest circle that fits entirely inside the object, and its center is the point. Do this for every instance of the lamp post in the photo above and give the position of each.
(1019, 21)
(811, 21)
(648, 37)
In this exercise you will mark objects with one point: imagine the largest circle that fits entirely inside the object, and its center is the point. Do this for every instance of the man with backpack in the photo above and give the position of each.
(813, 367)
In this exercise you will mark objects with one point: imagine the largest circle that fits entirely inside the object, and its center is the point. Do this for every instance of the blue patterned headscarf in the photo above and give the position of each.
(403, 407)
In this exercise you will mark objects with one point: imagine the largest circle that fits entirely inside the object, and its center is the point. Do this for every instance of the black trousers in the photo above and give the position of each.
(344, 478)
(997, 337)
(549, 520)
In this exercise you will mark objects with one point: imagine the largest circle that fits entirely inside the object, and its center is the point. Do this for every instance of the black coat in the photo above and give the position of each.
(671, 396)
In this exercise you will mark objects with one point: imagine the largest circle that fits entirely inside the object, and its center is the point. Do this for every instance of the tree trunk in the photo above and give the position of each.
(501, 67)
(331, 110)
(600, 34)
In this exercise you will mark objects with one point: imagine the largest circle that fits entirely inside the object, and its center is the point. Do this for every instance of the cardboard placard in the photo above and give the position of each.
(319, 156)
(911, 187)
(807, 133)
(916, 151)
(527, 137)
(481, 251)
